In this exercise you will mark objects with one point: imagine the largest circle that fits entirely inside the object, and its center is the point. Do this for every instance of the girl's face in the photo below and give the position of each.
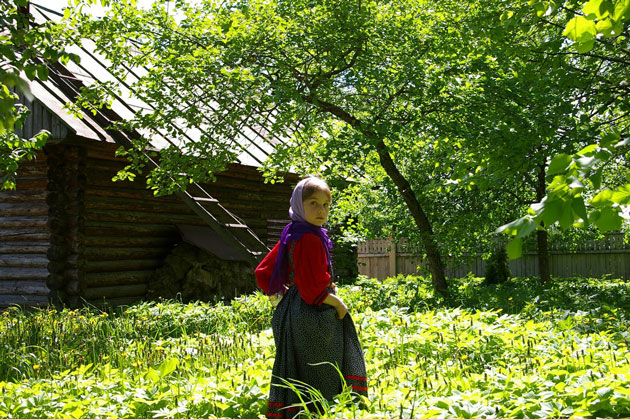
(316, 208)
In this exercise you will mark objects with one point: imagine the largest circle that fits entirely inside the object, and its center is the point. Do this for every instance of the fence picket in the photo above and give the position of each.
(594, 258)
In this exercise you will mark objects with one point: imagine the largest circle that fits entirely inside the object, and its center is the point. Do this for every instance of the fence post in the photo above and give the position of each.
(392, 258)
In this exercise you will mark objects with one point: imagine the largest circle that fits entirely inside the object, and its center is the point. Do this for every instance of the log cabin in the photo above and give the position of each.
(70, 235)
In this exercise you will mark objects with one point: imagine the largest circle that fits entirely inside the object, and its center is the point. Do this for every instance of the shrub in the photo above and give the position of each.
(498, 268)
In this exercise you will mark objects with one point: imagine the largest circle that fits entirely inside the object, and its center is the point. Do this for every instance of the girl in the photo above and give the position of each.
(312, 331)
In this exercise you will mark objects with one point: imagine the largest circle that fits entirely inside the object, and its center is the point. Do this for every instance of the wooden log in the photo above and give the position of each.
(96, 228)
(57, 252)
(106, 279)
(55, 281)
(26, 209)
(19, 196)
(23, 273)
(140, 217)
(11, 248)
(117, 192)
(105, 179)
(31, 184)
(123, 265)
(134, 290)
(23, 300)
(57, 267)
(23, 236)
(117, 253)
(10, 223)
(72, 288)
(103, 151)
(151, 205)
(24, 287)
(26, 261)
(128, 241)
(114, 302)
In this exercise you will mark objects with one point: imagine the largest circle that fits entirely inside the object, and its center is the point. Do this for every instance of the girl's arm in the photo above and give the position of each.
(338, 304)
(265, 269)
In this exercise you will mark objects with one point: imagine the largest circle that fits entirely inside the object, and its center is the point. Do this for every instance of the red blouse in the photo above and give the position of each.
(311, 269)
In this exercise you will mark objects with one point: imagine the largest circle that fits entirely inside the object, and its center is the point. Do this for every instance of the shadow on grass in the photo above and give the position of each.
(517, 295)
(525, 294)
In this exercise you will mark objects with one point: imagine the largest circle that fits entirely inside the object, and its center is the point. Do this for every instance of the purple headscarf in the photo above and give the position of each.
(294, 231)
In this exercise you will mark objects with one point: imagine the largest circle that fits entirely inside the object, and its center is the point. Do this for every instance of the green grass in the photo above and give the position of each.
(518, 350)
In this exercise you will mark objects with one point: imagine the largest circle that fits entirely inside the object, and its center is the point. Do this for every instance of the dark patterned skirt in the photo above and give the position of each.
(310, 342)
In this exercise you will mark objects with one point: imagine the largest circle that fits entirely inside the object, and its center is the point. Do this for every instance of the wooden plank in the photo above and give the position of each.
(23, 196)
(23, 300)
(10, 223)
(134, 290)
(23, 235)
(18, 209)
(106, 279)
(24, 288)
(114, 302)
(141, 217)
(129, 241)
(114, 253)
(26, 261)
(7, 273)
(122, 265)
(12, 248)
(107, 229)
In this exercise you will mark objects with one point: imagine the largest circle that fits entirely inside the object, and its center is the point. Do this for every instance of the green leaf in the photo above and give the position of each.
(599, 9)
(622, 195)
(609, 139)
(515, 248)
(566, 216)
(42, 72)
(168, 366)
(577, 204)
(580, 29)
(596, 178)
(551, 211)
(559, 164)
(604, 27)
(585, 46)
(31, 72)
(602, 199)
(608, 220)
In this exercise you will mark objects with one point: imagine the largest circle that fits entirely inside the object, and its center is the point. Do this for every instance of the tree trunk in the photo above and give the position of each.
(541, 235)
(422, 222)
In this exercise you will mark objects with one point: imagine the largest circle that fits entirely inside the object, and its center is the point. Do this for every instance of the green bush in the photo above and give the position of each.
(498, 266)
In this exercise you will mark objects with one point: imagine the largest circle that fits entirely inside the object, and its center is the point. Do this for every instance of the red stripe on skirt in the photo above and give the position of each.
(354, 377)
(275, 404)
(359, 388)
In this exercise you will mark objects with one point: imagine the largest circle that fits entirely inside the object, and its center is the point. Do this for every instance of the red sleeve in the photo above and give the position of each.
(311, 269)
(265, 269)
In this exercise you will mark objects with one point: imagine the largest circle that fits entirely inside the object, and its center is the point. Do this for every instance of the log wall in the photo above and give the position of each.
(127, 232)
(24, 237)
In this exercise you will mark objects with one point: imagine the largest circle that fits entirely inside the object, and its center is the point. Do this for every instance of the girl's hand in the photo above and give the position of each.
(342, 310)
(338, 304)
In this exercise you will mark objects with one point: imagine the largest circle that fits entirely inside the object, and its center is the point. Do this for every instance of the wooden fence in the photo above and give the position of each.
(595, 258)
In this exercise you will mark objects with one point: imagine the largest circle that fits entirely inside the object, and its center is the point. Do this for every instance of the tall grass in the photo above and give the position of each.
(519, 350)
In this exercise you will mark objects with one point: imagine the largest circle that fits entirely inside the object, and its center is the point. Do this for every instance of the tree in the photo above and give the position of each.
(577, 194)
(351, 80)
(25, 47)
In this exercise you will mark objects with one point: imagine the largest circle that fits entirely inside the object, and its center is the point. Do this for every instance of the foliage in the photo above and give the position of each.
(498, 267)
(520, 349)
(578, 191)
(26, 49)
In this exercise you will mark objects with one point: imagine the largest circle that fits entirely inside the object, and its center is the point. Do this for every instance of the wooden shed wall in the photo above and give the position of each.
(127, 232)
(25, 237)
